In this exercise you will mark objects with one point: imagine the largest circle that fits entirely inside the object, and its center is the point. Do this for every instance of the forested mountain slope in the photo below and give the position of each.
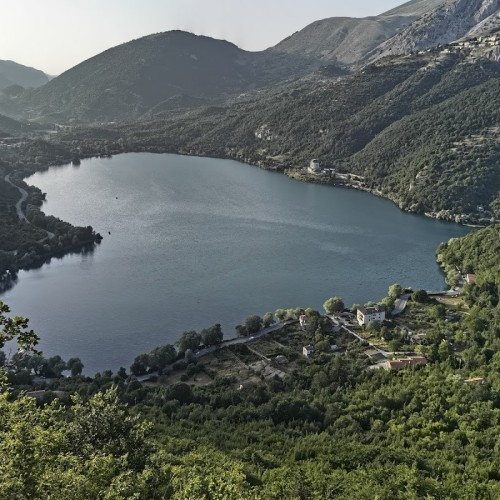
(178, 70)
(12, 73)
(126, 81)
(9, 127)
(422, 129)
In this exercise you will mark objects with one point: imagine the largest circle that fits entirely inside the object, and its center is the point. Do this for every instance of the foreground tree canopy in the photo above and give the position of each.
(331, 429)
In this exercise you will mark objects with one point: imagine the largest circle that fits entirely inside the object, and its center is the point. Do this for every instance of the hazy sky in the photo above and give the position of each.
(54, 35)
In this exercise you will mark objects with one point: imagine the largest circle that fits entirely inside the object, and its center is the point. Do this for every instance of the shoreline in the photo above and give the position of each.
(294, 174)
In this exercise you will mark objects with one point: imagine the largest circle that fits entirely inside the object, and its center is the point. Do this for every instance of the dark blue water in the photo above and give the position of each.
(195, 241)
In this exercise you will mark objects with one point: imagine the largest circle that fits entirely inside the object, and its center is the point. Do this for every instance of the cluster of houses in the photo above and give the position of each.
(364, 316)
(315, 168)
(482, 41)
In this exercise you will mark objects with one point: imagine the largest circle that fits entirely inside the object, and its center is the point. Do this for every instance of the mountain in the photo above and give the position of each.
(10, 127)
(12, 73)
(173, 71)
(450, 21)
(348, 40)
(127, 81)
(421, 129)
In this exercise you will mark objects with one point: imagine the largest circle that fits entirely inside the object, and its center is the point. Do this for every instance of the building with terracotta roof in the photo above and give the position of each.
(398, 364)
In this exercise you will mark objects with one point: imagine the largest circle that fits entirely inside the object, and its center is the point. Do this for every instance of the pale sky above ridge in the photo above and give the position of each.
(54, 35)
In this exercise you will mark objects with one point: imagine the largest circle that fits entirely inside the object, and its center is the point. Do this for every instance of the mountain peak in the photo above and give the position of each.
(12, 73)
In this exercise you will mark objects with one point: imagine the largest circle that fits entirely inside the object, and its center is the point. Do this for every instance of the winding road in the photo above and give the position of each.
(24, 197)
(19, 207)
(400, 305)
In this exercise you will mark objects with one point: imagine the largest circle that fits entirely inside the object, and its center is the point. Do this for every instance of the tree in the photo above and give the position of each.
(16, 329)
(268, 319)
(56, 365)
(240, 330)
(322, 346)
(437, 312)
(75, 365)
(189, 340)
(280, 314)
(95, 449)
(333, 305)
(325, 325)
(140, 365)
(311, 313)
(160, 357)
(395, 291)
(420, 296)
(190, 357)
(388, 303)
(212, 335)
(38, 364)
(253, 324)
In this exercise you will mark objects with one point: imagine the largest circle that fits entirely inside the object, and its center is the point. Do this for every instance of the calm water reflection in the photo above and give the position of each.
(195, 241)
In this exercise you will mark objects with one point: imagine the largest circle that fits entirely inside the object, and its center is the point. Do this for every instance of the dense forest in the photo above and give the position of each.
(29, 242)
(333, 428)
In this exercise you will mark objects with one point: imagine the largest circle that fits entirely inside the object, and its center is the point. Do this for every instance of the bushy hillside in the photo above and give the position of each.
(128, 80)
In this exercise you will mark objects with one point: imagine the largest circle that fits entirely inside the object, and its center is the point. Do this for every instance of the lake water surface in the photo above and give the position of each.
(197, 241)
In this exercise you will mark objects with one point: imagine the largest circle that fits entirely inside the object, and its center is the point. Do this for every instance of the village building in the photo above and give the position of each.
(398, 364)
(314, 167)
(308, 351)
(281, 360)
(470, 278)
(367, 314)
(475, 380)
(303, 320)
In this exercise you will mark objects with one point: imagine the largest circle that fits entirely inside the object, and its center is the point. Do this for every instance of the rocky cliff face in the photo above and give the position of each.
(451, 21)
(347, 40)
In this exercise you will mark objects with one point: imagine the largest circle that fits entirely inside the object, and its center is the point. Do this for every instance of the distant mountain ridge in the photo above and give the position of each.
(12, 73)
(172, 71)
(348, 40)
(126, 81)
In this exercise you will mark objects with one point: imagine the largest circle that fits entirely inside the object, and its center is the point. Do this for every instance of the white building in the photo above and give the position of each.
(314, 167)
(308, 351)
(367, 314)
(303, 320)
